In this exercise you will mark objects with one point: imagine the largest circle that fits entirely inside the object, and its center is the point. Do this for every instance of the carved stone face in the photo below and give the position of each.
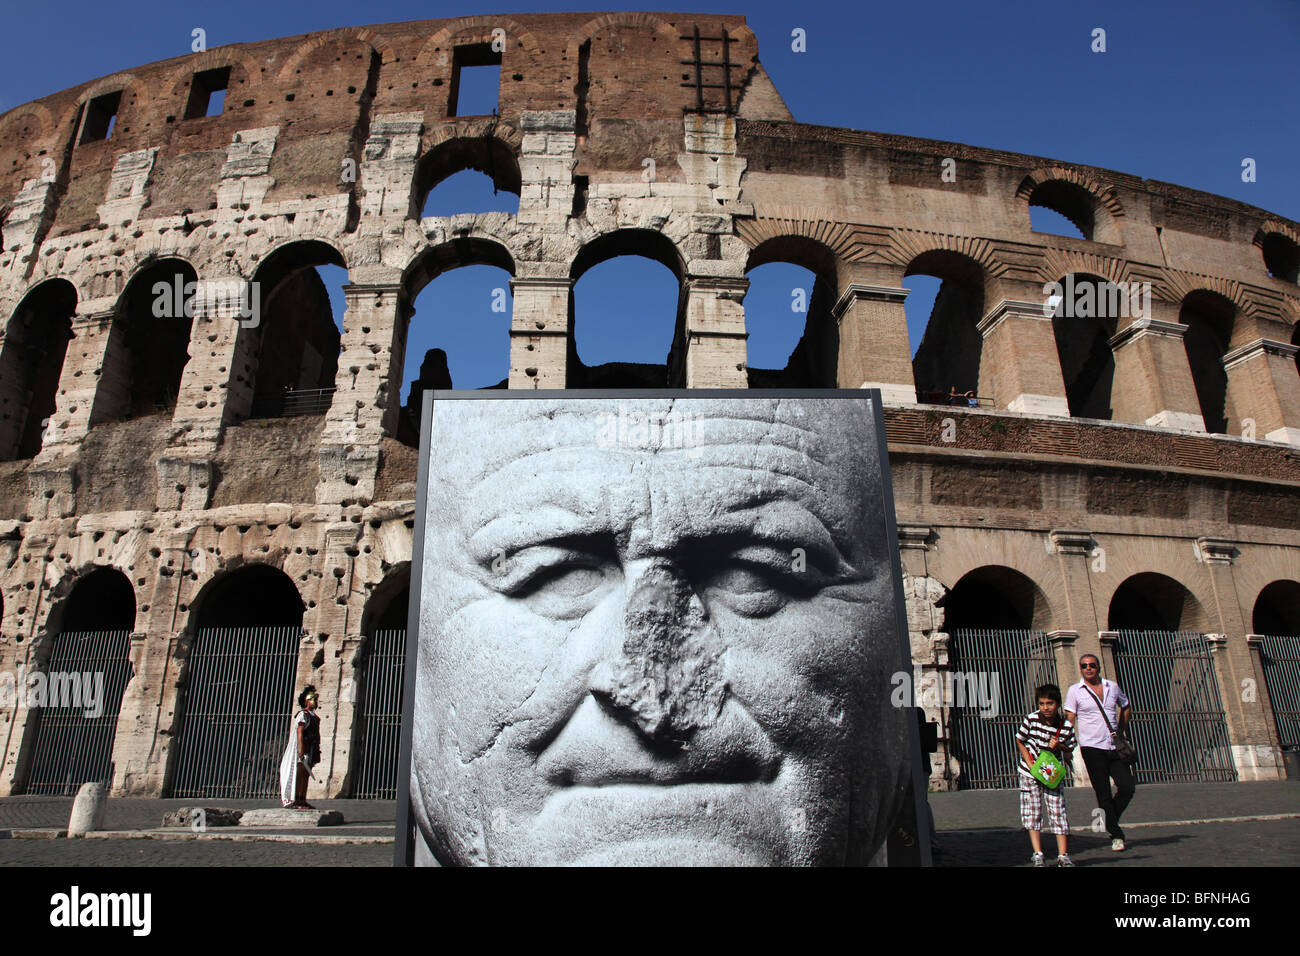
(656, 633)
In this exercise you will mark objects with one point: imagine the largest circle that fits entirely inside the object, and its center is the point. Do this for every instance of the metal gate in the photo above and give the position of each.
(380, 715)
(1178, 722)
(1280, 654)
(74, 732)
(1010, 666)
(239, 706)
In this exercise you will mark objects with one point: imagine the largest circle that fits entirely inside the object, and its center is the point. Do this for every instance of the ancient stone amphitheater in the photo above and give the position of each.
(212, 509)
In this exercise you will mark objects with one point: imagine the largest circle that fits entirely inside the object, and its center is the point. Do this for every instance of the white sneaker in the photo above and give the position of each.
(1064, 860)
(1117, 844)
(1037, 859)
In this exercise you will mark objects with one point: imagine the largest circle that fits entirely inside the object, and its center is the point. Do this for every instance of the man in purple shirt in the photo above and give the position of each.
(1083, 704)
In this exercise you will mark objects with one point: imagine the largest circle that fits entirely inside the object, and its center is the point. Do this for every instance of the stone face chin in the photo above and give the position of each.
(644, 654)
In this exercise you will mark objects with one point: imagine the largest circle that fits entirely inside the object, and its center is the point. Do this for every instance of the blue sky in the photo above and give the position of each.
(1184, 92)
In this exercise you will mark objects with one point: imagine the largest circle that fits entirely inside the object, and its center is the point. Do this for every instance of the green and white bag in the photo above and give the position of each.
(1048, 770)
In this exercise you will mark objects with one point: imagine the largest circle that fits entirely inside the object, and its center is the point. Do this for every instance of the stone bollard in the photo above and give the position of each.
(88, 809)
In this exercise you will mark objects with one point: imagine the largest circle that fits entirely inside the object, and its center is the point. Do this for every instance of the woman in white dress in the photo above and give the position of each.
(302, 754)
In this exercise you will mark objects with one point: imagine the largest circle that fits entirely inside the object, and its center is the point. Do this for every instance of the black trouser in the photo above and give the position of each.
(1102, 766)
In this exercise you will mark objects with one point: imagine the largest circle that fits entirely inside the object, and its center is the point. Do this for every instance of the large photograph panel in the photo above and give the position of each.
(657, 630)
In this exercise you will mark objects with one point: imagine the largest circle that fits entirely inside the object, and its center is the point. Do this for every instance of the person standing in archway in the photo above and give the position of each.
(1084, 706)
(302, 754)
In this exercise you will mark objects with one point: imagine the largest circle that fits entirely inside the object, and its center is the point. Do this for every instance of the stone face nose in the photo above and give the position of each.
(666, 679)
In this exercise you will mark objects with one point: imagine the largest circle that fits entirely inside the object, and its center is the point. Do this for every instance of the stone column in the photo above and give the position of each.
(1260, 688)
(1065, 652)
(338, 611)
(1153, 380)
(145, 746)
(874, 351)
(1074, 550)
(1248, 721)
(539, 332)
(368, 388)
(715, 332)
(929, 644)
(93, 384)
(1019, 365)
(1263, 386)
(30, 646)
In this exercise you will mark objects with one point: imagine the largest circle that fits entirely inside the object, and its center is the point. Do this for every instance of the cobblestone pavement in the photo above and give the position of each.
(1267, 843)
(165, 853)
(969, 809)
(135, 813)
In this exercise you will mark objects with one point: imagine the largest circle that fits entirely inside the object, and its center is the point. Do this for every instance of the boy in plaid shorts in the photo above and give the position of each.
(1044, 729)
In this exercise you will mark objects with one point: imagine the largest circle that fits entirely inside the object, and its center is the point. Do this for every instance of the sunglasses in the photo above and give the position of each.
(1089, 667)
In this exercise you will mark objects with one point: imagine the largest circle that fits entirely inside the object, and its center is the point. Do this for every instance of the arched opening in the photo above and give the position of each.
(1208, 317)
(143, 373)
(1084, 321)
(1277, 609)
(257, 595)
(1276, 619)
(467, 175)
(458, 325)
(1061, 208)
(944, 308)
(1281, 256)
(295, 346)
(995, 597)
(792, 337)
(381, 681)
(626, 285)
(103, 600)
(996, 618)
(31, 361)
(238, 686)
(1151, 601)
(83, 680)
(1163, 662)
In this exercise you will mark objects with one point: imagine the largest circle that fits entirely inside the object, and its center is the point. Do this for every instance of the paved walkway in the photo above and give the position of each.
(1232, 824)
(1208, 824)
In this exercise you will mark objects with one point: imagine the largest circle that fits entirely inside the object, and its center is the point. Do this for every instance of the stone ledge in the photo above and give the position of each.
(286, 819)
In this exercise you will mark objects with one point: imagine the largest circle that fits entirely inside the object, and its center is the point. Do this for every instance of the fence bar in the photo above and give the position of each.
(70, 747)
(984, 743)
(381, 716)
(1178, 722)
(238, 711)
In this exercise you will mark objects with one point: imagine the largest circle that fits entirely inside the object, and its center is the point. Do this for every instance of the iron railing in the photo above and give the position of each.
(305, 401)
(1178, 723)
(1280, 654)
(238, 712)
(72, 748)
(380, 717)
(1015, 663)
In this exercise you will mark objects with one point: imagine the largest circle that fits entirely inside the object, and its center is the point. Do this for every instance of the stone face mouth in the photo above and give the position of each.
(597, 749)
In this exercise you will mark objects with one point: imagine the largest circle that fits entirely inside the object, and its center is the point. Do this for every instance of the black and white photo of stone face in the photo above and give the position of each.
(656, 631)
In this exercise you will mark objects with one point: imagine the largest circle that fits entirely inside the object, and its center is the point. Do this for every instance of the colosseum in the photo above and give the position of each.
(207, 491)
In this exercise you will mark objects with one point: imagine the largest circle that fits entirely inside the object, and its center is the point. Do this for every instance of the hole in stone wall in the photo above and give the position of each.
(100, 117)
(944, 305)
(1209, 318)
(208, 93)
(475, 81)
(31, 362)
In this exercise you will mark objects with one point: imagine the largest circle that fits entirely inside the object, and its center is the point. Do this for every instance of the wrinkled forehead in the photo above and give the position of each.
(820, 452)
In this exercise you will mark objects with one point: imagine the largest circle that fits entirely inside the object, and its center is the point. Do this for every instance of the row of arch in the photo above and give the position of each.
(988, 597)
(295, 346)
(997, 597)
